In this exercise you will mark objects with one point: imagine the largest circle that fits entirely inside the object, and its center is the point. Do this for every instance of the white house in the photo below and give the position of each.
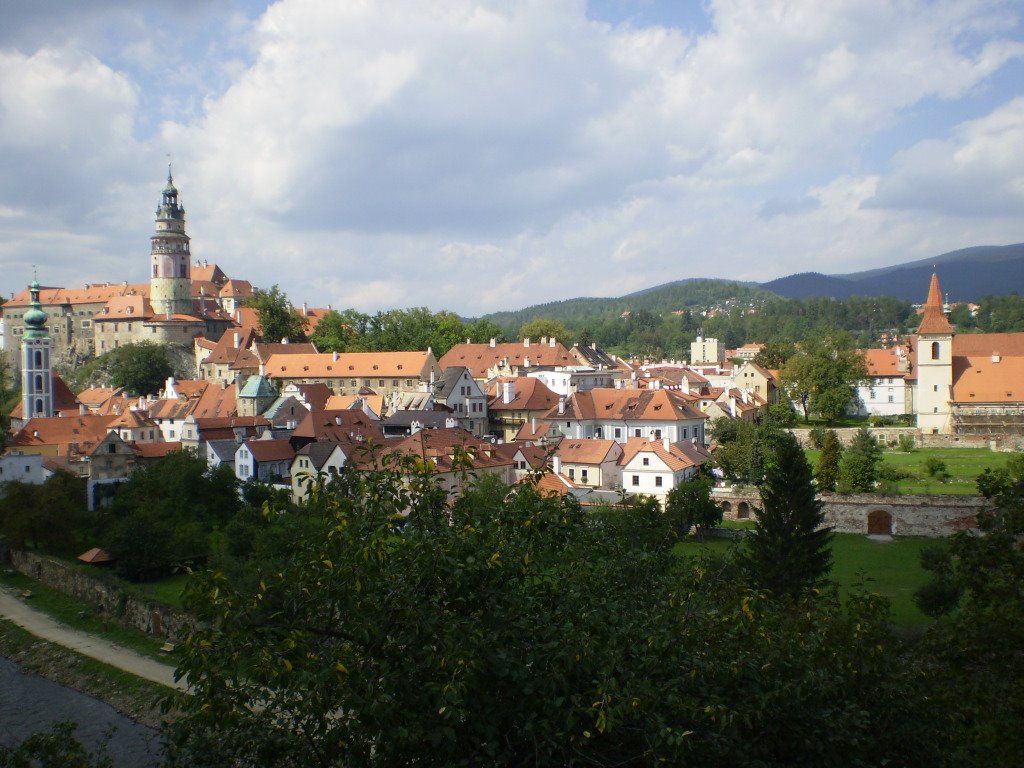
(320, 459)
(655, 467)
(622, 414)
(264, 460)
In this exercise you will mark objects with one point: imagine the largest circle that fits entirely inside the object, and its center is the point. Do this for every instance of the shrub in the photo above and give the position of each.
(816, 437)
(907, 443)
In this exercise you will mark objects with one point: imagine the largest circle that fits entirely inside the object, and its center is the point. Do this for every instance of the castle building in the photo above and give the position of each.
(169, 312)
(36, 361)
(177, 303)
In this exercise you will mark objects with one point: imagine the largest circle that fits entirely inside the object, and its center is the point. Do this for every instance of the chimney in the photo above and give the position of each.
(551, 342)
(746, 396)
(284, 340)
(666, 444)
(492, 343)
(334, 357)
(238, 339)
(732, 406)
(593, 345)
(526, 342)
(82, 409)
(508, 391)
(556, 465)
(543, 340)
(561, 406)
(533, 424)
(305, 309)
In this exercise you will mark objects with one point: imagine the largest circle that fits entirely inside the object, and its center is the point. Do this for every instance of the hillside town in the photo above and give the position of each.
(283, 413)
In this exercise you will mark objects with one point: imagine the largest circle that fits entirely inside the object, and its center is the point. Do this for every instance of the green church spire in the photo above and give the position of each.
(35, 318)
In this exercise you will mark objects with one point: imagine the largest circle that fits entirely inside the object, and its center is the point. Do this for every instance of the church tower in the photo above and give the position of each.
(170, 287)
(934, 366)
(36, 364)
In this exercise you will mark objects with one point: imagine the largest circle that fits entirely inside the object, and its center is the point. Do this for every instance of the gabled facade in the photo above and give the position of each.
(655, 467)
(458, 390)
(590, 463)
(622, 414)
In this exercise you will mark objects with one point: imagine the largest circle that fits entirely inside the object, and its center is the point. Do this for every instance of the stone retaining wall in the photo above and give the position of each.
(933, 516)
(109, 598)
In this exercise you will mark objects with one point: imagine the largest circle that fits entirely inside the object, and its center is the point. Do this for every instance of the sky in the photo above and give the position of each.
(482, 155)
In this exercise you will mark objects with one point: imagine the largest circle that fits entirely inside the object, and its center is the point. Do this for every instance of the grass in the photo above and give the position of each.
(79, 615)
(963, 465)
(892, 569)
(166, 591)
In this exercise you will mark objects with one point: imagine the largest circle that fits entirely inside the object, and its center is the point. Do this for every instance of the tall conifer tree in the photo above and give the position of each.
(826, 473)
(789, 551)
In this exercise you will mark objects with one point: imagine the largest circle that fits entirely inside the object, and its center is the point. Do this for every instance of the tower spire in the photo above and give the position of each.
(934, 319)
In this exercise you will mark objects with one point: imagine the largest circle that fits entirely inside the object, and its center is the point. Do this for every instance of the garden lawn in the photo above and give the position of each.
(963, 464)
(892, 569)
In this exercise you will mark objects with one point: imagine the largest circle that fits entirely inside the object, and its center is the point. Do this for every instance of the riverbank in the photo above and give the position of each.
(137, 699)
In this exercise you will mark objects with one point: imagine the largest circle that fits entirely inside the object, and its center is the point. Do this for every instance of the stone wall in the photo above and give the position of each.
(908, 515)
(898, 515)
(105, 595)
(884, 435)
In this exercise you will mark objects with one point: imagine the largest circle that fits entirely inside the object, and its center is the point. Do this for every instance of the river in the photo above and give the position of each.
(29, 703)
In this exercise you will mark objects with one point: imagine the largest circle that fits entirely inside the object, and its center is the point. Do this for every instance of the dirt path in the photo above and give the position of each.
(42, 626)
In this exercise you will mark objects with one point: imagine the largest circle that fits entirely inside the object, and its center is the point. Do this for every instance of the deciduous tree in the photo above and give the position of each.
(278, 319)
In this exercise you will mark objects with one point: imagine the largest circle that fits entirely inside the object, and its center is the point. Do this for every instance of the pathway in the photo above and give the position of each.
(42, 626)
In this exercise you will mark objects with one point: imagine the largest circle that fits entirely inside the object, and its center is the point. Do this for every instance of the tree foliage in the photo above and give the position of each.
(826, 472)
(515, 628)
(141, 368)
(543, 327)
(690, 505)
(56, 748)
(161, 517)
(278, 318)
(42, 516)
(416, 328)
(823, 376)
(858, 468)
(789, 552)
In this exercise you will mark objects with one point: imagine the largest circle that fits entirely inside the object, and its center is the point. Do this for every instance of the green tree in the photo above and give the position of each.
(543, 327)
(513, 628)
(973, 657)
(689, 505)
(56, 748)
(826, 473)
(774, 356)
(790, 551)
(43, 516)
(278, 319)
(858, 468)
(824, 375)
(340, 331)
(141, 368)
(162, 516)
(9, 395)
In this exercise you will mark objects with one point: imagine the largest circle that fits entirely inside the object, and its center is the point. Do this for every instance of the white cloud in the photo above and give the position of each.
(977, 172)
(479, 155)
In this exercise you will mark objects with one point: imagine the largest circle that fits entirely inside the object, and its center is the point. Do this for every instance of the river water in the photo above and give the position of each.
(29, 703)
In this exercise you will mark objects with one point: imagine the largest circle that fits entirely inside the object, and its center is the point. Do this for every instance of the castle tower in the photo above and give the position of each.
(934, 365)
(170, 287)
(36, 365)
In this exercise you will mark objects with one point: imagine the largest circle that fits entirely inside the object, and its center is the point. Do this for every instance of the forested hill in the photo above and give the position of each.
(966, 275)
(662, 299)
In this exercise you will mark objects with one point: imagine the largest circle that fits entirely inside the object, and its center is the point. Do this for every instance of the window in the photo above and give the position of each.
(618, 433)
(890, 398)
(657, 434)
(646, 461)
(583, 475)
(111, 448)
(935, 388)
(935, 350)
(657, 481)
(39, 359)
(636, 432)
(636, 479)
(572, 473)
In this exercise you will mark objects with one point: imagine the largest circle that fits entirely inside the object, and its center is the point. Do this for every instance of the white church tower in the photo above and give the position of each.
(934, 366)
(36, 360)
(170, 287)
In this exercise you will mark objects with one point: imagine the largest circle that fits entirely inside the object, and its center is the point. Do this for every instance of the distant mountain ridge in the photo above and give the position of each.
(966, 275)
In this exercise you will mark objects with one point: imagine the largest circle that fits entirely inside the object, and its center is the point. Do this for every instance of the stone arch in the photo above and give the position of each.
(880, 523)
(726, 507)
(743, 511)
